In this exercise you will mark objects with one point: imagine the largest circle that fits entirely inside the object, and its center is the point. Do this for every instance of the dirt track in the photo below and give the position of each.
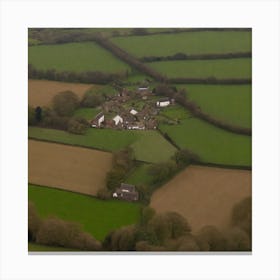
(71, 168)
(203, 195)
(41, 92)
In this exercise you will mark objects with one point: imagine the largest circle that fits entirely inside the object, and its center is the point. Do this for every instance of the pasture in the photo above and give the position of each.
(203, 195)
(202, 42)
(87, 113)
(149, 145)
(41, 92)
(211, 144)
(230, 103)
(139, 175)
(219, 68)
(71, 168)
(77, 57)
(98, 217)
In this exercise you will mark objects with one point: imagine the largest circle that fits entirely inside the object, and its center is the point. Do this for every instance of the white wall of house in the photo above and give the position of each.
(133, 112)
(163, 103)
(118, 119)
(101, 120)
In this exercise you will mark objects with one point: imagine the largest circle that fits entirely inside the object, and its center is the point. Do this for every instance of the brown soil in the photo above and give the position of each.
(41, 92)
(71, 168)
(204, 195)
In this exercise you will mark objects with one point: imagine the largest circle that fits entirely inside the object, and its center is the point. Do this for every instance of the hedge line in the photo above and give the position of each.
(183, 56)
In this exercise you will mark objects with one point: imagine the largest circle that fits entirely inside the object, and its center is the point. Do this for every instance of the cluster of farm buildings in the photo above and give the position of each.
(115, 115)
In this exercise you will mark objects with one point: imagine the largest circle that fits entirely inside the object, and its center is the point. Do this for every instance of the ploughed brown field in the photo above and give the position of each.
(204, 195)
(41, 92)
(71, 168)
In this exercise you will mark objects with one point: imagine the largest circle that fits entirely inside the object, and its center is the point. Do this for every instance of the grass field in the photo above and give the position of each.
(188, 42)
(87, 113)
(220, 68)
(212, 144)
(77, 57)
(71, 168)
(204, 195)
(97, 217)
(41, 92)
(139, 175)
(175, 112)
(149, 146)
(34, 247)
(231, 103)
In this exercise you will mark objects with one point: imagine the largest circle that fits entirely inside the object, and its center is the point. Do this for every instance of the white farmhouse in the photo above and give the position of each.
(118, 120)
(164, 102)
(98, 120)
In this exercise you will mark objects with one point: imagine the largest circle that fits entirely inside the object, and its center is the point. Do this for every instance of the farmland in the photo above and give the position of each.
(231, 103)
(212, 144)
(203, 195)
(41, 92)
(139, 175)
(76, 57)
(188, 42)
(149, 146)
(220, 68)
(97, 217)
(56, 165)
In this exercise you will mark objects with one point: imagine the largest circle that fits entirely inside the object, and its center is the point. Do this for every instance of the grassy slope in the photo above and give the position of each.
(149, 146)
(98, 217)
(33, 247)
(226, 102)
(139, 175)
(77, 57)
(189, 42)
(220, 68)
(212, 144)
(87, 113)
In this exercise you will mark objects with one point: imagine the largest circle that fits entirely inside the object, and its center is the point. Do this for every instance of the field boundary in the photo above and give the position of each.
(184, 56)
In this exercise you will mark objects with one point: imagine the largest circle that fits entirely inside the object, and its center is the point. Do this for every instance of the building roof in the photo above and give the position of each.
(133, 112)
(127, 187)
(98, 116)
(164, 99)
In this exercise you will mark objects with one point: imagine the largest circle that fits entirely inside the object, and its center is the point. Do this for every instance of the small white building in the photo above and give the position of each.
(98, 120)
(118, 119)
(163, 103)
(133, 112)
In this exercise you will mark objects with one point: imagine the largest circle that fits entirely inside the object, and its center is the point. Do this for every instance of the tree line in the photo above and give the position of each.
(167, 231)
(182, 99)
(184, 56)
(88, 77)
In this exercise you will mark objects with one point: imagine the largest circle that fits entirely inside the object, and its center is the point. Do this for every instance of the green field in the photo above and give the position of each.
(175, 112)
(97, 217)
(77, 57)
(34, 247)
(220, 68)
(231, 103)
(87, 113)
(139, 175)
(212, 144)
(149, 146)
(188, 42)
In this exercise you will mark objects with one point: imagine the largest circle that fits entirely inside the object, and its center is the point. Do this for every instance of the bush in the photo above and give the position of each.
(238, 240)
(56, 232)
(162, 171)
(65, 103)
(76, 127)
(242, 215)
(92, 99)
(34, 222)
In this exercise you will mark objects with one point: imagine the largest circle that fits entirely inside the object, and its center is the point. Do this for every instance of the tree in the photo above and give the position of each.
(209, 238)
(31, 116)
(56, 232)
(139, 31)
(114, 178)
(169, 225)
(184, 157)
(38, 114)
(76, 127)
(65, 103)
(34, 222)
(147, 214)
(92, 99)
(237, 240)
(161, 171)
(242, 215)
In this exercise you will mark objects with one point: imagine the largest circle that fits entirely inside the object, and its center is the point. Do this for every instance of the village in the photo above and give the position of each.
(131, 110)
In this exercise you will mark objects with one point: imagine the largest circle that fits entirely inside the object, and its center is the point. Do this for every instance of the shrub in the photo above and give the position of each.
(34, 222)
(65, 103)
